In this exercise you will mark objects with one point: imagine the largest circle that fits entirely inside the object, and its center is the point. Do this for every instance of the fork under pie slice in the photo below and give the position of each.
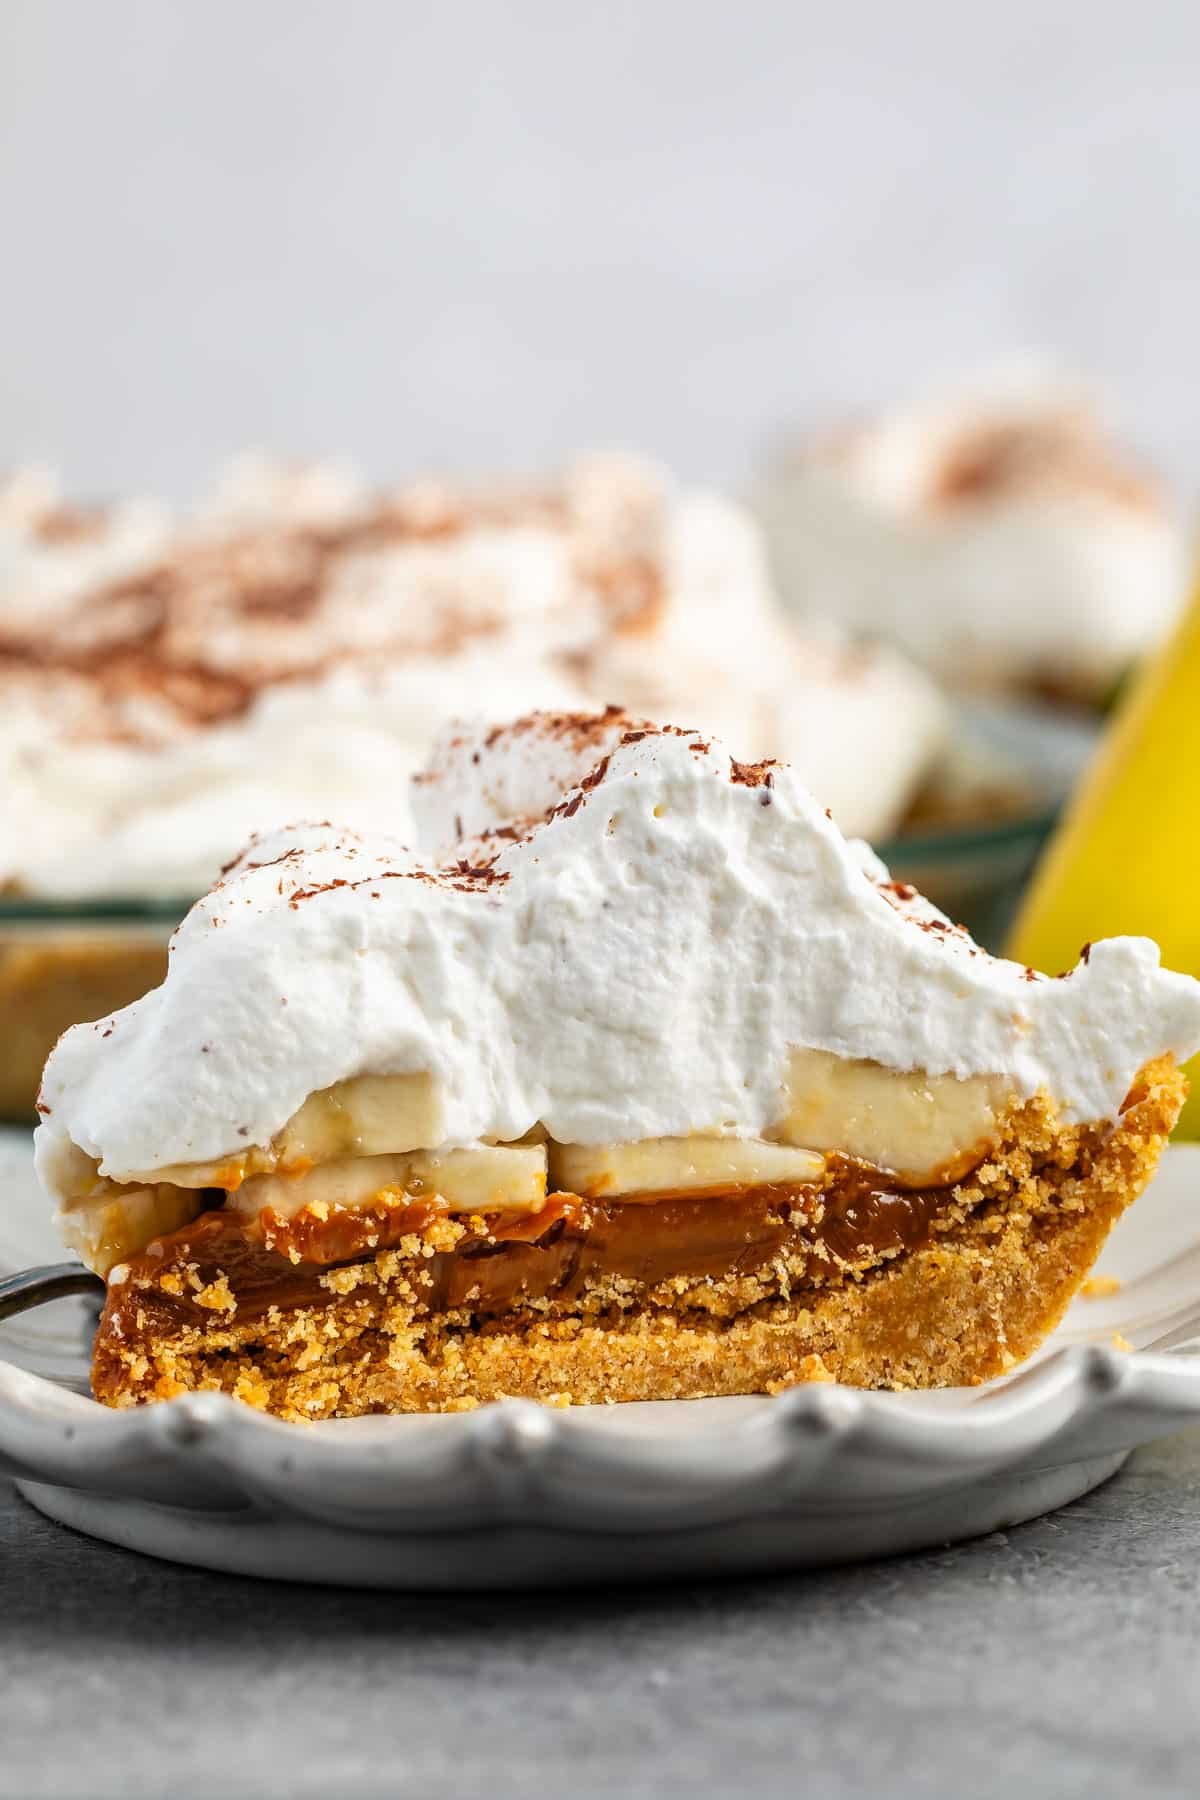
(637, 1081)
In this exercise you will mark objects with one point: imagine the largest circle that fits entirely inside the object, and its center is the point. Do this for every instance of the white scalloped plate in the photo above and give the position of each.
(518, 1496)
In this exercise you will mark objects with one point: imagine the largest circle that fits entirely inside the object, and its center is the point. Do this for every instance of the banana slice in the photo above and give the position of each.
(370, 1115)
(119, 1222)
(493, 1178)
(490, 1178)
(923, 1128)
(679, 1166)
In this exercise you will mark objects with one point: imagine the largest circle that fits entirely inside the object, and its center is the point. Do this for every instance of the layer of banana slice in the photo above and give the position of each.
(689, 1165)
(488, 1178)
(926, 1129)
(922, 1128)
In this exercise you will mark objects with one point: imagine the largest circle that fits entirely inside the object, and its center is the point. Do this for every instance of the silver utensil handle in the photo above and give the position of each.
(33, 1287)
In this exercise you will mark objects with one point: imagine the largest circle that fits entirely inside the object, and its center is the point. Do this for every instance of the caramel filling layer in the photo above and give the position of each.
(222, 1264)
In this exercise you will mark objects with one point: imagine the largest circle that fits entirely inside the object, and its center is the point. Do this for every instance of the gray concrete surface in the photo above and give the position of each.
(1060, 1659)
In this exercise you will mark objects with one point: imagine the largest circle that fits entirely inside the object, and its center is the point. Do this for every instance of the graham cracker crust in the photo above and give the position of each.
(1004, 1257)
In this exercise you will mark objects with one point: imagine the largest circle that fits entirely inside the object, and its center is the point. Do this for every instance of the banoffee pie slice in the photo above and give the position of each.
(636, 1081)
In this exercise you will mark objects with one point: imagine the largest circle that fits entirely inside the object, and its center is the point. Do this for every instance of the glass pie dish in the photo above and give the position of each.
(969, 847)
(61, 962)
(972, 840)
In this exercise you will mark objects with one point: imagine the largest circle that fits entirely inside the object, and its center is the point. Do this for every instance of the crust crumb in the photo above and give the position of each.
(1100, 1287)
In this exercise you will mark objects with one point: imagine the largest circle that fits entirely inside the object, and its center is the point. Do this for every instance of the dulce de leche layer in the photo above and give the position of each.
(223, 1266)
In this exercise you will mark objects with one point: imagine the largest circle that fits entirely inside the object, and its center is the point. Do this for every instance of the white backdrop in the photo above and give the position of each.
(464, 233)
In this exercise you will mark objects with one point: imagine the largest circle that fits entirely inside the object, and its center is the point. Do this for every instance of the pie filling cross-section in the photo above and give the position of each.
(636, 1082)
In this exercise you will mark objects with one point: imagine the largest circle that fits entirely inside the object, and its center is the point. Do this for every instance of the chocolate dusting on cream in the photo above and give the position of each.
(191, 641)
(1006, 459)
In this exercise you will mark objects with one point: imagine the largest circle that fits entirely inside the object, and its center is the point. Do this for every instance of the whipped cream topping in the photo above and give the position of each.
(998, 534)
(639, 962)
(296, 657)
(52, 551)
(254, 489)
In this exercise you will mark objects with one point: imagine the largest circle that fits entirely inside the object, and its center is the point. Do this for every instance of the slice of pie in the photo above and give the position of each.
(639, 1082)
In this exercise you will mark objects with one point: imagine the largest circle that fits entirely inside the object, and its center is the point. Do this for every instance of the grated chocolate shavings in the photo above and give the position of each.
(753, 775)
(597, 775)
